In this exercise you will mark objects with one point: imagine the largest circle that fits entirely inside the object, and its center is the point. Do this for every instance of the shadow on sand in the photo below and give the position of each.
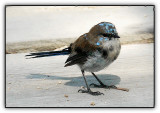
(107, 79)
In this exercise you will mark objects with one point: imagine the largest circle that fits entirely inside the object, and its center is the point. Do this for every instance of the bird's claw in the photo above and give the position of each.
(90, 92)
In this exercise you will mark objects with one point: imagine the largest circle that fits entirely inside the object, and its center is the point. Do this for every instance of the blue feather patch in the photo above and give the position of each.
(97, 43)
(101, 38)
(101, 24)
(106, 27)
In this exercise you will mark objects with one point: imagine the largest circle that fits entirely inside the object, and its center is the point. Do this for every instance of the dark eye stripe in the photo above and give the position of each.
(108, 35)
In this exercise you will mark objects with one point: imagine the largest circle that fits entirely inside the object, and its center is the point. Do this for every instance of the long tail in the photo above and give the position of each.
(65, 51)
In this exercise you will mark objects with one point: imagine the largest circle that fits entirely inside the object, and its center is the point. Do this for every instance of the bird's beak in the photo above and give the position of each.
(116, 36)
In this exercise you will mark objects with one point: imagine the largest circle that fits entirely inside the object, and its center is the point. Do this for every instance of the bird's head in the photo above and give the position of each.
(105, 29)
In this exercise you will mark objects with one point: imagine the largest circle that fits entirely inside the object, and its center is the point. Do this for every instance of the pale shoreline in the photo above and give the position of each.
(42, 23)
(46, 28)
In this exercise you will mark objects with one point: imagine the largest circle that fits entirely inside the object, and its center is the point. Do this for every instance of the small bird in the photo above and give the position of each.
(92, 52)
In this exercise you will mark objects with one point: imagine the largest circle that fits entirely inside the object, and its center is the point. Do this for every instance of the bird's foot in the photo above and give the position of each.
(109, 87)
(90, 92)
(103, 86)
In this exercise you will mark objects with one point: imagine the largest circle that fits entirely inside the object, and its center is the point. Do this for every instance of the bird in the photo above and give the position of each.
(92, 52)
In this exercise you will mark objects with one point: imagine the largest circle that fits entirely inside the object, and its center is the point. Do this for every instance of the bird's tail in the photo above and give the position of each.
(65, 51)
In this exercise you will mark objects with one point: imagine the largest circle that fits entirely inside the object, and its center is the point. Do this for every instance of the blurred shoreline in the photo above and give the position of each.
(46, 28)
(54, 44)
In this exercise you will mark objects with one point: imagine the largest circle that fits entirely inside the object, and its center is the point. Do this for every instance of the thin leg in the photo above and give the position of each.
(105, 86)
(101, 83)
(98, 79)
(85, 81)
(88, 89)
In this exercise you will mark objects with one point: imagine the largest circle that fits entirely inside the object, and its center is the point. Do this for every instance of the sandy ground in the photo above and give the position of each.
(45, 82)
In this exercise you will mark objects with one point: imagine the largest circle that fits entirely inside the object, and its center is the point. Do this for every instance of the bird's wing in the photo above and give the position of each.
(76, 59)
(80, 50)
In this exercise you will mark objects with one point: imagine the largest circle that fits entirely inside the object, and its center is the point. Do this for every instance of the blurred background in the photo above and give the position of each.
(46, 28)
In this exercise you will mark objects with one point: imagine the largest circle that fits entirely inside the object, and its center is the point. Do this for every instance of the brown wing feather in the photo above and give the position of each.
(76, 59)
(80, 50)
(84, 42)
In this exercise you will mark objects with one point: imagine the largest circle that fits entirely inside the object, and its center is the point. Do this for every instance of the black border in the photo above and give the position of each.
(80, 5)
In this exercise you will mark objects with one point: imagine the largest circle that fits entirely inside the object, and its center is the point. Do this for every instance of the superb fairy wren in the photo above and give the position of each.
(92, 52)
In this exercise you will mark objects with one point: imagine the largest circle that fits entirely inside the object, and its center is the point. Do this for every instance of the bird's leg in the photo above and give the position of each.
(88, 88)
(105, 86)
(101, 83)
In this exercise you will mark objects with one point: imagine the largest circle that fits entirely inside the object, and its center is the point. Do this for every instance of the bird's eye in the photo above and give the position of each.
(107, 35)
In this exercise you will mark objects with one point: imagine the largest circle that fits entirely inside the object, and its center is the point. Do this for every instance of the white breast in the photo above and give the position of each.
(97, 62)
